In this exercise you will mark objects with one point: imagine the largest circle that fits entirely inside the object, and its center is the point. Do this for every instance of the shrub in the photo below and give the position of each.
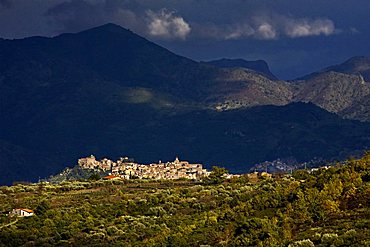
(302, 243)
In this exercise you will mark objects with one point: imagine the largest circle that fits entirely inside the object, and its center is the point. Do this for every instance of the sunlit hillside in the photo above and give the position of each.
(326, 207)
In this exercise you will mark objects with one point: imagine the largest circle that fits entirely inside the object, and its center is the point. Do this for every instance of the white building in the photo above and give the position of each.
(22, 212)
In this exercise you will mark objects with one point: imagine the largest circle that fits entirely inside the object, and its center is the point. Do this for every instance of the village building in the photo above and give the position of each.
(111, 177)
(125, 168)
(22, 212)
(253, 175)
(266, 175)
(89, 162)
(230, 176)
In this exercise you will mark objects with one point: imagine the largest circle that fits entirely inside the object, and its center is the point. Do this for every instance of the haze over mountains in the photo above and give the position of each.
(109, 92)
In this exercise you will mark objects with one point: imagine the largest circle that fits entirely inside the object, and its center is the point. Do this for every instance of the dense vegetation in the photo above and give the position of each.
(328, 207)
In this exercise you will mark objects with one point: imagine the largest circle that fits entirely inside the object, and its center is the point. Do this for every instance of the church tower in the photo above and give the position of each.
(177, 160)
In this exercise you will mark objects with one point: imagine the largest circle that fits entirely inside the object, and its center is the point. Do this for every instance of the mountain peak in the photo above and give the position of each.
(109, 27)
(356, 59)
(355, 63)
(358, 65)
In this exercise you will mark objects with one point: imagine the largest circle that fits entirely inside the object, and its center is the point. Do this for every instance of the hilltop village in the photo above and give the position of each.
(126, 168)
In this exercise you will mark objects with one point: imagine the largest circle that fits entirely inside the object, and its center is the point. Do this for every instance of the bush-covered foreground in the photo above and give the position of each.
(323, 208)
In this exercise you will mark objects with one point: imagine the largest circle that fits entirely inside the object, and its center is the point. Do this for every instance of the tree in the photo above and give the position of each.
(216, 175)
(42, 207)
(95, 176)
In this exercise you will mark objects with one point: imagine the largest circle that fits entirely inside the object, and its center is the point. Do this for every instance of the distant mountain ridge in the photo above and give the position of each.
(109, 92)
(259, 66)
(359, 65)
(343, 89)
(333, 91)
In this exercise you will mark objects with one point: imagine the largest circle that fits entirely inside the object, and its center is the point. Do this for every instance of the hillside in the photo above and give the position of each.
(359, 110)
(343, 89)
(333, 91)
(259, 66)
(107, 91)
(327, 207)
(353, 66)
(236, 139)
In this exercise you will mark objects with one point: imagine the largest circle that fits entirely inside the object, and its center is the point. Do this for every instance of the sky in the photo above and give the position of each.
(295, 37)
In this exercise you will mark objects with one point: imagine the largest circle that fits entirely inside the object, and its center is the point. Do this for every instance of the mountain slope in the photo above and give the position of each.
(259, 66)
(106, 91)
(343, 89)
(113, 54)
(333, 91)
(108, 53)
(355, 66)
(360, 109)
(236, 139)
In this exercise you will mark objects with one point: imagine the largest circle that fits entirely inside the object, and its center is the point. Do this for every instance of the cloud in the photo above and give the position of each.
(5, 3)
(267, 27)
(155, 19)
(76, 15)
(266, 31)
(354, 30)
(166, 24)
(222, 32)
(239, 31)
(305, 27)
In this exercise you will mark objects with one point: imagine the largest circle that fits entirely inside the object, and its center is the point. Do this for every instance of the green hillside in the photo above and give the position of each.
(328, 207)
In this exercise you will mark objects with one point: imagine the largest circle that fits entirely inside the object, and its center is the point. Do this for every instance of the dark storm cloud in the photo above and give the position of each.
(5, 3)
(160, 19)
(197, 19)
(77, 15)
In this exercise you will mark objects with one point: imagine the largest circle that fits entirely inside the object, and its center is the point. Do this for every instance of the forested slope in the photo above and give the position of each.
(328, 207)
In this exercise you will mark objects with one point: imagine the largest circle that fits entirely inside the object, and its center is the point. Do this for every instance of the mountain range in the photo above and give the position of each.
(109, 92)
